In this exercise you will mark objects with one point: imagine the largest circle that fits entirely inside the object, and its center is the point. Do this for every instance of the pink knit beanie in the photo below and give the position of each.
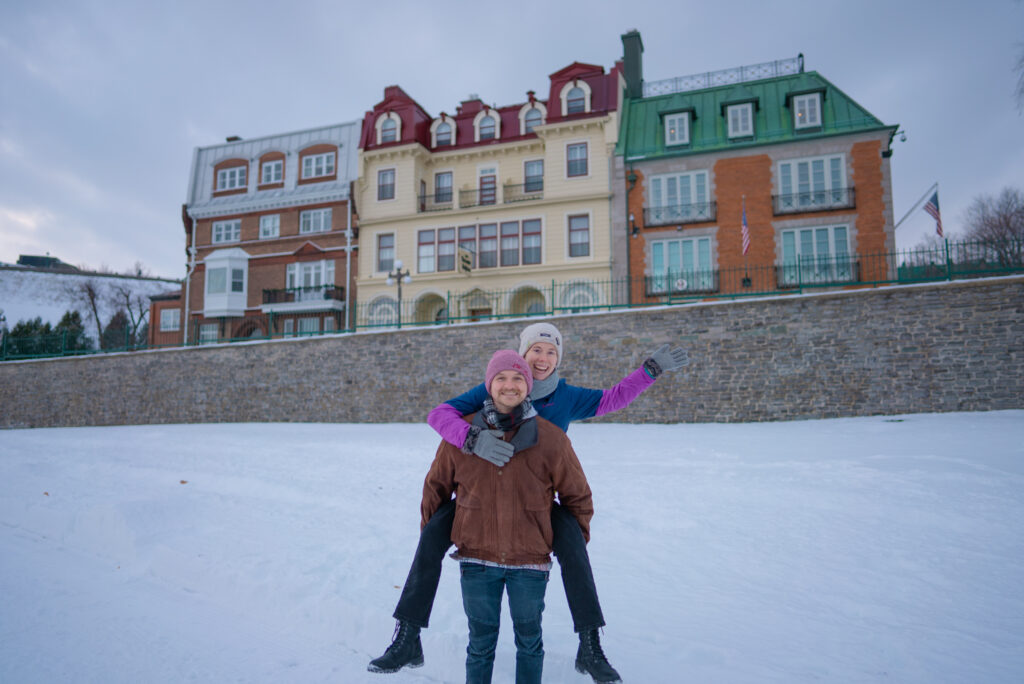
(506, 359)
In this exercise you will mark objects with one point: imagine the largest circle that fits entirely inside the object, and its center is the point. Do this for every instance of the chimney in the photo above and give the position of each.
(633, 63)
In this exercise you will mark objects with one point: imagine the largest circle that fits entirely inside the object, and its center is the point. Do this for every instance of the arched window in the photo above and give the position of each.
(444, 134)
(487, 128)
(576, 101)
(388, 131)
(533, 118)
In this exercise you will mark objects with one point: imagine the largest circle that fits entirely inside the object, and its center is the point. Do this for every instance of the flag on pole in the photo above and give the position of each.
(746, 231)
(932, 207)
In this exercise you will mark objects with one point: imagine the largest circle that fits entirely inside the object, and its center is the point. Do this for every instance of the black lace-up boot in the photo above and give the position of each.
(405, 650)
(590, 659)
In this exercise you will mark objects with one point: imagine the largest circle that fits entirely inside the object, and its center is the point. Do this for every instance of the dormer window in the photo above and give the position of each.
(444, 134)
(388, 131)
(740, 119)
(487, 128)
(807, 111)
(486, 125)
(576, 101)
(389, 128)
(231, 179)
(677, 129)
(531, 120)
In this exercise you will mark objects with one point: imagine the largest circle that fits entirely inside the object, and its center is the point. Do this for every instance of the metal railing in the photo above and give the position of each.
(479, 197)
(710, 79)
(531, 190)
(307, 293)
(815, 200)
(947, 261)
(437, 202)
(680, 213)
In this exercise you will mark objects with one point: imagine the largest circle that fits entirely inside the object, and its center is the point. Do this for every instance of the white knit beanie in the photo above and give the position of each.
(541, 332)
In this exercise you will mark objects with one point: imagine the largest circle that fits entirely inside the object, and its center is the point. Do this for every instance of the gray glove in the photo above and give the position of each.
(663, 360)
(491, 447)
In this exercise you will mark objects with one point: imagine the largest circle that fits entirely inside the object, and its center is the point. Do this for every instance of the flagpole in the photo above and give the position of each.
(926, 195)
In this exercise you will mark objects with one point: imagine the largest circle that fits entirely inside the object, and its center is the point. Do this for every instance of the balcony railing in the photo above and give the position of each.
(682, 282)
(531, 190)
(437, 202)
(680, 213)
(476, 198)
(815, 200)
(710, 79)
(814, 271)
(311, 293)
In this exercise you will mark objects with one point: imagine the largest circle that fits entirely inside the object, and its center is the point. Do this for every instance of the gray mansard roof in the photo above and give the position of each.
(202, 204)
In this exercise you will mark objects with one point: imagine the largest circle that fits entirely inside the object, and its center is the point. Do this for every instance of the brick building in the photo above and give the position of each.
(268, 224)
(807, 165)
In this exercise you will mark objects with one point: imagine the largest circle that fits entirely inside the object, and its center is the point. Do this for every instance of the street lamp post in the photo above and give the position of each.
(399, 276)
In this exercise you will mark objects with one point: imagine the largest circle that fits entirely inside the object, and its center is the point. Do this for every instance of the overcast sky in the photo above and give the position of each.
(102, 103)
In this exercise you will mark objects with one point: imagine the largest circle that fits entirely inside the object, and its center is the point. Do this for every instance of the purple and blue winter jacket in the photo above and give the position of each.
(566, 404)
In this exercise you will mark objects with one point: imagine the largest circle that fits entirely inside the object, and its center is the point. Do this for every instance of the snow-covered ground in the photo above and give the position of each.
(851, 550)
(26, 294)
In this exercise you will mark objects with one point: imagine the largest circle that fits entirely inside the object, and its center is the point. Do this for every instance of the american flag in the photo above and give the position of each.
(746, 231)
(932, 207)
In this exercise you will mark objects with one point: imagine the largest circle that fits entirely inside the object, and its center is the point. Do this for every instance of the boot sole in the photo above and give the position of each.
(411, 664)
(584, 671)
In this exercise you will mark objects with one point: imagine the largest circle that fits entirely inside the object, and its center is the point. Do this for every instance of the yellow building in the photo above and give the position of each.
(491, 211)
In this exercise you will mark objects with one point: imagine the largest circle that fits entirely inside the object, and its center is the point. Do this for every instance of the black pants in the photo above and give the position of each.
(570, 549)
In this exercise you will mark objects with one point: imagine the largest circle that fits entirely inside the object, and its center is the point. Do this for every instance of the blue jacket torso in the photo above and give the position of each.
(566, 404)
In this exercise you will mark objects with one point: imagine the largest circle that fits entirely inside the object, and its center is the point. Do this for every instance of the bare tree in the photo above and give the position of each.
(1020, 81)
(86, 295)
(998, 222)
(134, 304)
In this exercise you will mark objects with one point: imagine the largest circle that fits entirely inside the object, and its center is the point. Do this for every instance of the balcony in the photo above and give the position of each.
(437, 202)
(477, 198)
(306, 298)
(816, 200)
(812, 271)
(682, 283)
(531, 190)
(680, 213)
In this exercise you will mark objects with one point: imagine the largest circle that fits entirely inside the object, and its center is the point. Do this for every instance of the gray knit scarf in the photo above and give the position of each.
(543, 388)
(507, 421)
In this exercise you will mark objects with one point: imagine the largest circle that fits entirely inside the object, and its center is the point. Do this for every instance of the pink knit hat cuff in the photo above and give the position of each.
(504, 360)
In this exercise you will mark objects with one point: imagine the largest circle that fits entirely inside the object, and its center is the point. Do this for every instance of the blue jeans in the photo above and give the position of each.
(482, 587)
(417, 599)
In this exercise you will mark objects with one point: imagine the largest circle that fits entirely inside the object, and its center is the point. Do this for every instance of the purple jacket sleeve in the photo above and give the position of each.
(623, 394)
(447, 422)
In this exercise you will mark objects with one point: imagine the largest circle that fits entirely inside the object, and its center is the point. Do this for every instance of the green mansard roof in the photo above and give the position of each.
(643, 135)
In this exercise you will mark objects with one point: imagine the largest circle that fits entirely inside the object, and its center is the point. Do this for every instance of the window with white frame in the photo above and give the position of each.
(679, 197)
(532, 119)
(487, 128)
(270, 226)
(677, 129)
(309, 279)
(227, 231)
(443, 187)
(576, 159)
(272, 172)
(533, 175)
(741, 120)
(315, 221)
(170, 320)
(386, 184)
(231, 179)
(488, 254)
(807, 111)
(217, 280)
(443, 134)
(813, 183)
(388, 130)
(579, 235)
(385, 252)
(819, 254)
(681, 265)
(575, 97)
(318, 165)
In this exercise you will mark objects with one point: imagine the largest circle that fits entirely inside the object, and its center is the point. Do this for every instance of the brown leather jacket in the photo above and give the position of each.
(504, 514)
